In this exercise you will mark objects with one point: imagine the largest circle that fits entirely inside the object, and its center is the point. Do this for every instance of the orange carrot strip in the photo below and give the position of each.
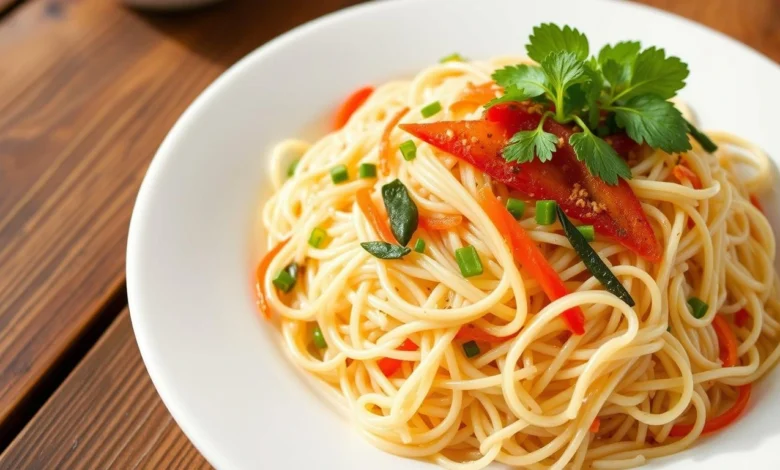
(385, 152)
(718, 422)
(472, 333)
(754, 200)
(440, 221)
(526, 253)
(474, 96)
(726, 340)
(372, 214)
(262, 269)
(594, 427)
(683, 173)
(389, 365)
(350, 105)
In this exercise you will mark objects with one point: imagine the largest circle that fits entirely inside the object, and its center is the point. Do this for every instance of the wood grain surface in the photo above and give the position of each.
(105, 415)
(88, 90)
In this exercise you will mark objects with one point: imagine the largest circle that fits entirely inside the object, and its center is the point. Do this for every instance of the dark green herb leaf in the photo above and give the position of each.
(563, 69)
(655, 74)
(401, 210)
(510, 94)
(526, 78)
(656, 121)
(592, 261)
(600, 158)
(383, 250)
(701, 138)
(548, 38)
(624, 52)
(525, 145)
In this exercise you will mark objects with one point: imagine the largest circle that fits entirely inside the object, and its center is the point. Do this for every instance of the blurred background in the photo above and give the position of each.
(88, 90)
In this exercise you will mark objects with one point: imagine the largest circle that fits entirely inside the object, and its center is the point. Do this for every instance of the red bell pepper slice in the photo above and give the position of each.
(613, 211)
(389, 365)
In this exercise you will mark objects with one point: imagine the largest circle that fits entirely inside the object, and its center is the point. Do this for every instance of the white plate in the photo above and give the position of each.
(192, 244)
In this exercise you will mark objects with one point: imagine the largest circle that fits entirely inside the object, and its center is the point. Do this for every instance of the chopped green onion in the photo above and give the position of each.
(319, 340)
(588, 232)
(545, 212)
(471, 349)
(698, 307)
(454, 57)
(367, 170)
(291, 168)
(339, 174)
(516, 207)
(430, 109)
(408, 150)
(318, 237)
(592, 261)
(468, 261)
(419, 245)
(284, 280)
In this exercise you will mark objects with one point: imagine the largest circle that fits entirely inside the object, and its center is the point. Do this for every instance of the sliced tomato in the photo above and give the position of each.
(613, 211)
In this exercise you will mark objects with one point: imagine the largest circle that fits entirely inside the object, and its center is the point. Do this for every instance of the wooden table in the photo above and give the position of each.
(88, 90)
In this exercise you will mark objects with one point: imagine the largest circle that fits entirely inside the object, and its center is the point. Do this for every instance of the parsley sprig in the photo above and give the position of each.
(623, 87)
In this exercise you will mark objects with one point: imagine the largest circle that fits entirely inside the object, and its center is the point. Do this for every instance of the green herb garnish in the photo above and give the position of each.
(383, 250)
(592, 261)
(401, 210)
(623, 87)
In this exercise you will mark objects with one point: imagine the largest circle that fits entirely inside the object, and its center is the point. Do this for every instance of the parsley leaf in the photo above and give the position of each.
(563, 69)
(600, 158)
(549, 38)
(653, 120)
(524, 145)
(624, 52)
(510, 94)
(654, 73)
(531, 80)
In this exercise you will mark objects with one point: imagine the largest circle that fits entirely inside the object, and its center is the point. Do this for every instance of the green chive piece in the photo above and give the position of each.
(318, 237)
(468, 261)
(319, 340)
(291, 168)
(284, 281)
(367, 170)
(545, 212)
(471, 349)
(588, 232)
(408, 150)
(454, 57)
(339, 174)
(430, 109)
(419, 245)
(698, 307)
(516, 207)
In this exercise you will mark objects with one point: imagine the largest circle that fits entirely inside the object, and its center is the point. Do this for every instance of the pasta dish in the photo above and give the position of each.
(540, 262)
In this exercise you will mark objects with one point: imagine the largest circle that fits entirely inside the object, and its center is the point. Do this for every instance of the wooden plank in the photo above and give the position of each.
(105, 415)
(88, 90)
(753, 22)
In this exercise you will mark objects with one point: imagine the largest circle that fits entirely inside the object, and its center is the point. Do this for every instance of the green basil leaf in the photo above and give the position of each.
(384, 250)
(401, 210)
